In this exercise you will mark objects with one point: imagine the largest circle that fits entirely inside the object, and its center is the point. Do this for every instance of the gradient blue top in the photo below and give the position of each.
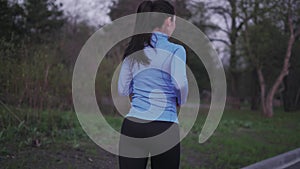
(156, 87)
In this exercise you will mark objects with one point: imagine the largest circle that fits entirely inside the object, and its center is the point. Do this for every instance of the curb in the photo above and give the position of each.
(281, 161)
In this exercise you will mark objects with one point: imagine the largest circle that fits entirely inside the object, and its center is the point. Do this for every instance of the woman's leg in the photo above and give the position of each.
(135, 130)
(132, 163)
(169, 159)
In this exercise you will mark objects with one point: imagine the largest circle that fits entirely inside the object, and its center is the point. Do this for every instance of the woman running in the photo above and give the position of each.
(153, 75)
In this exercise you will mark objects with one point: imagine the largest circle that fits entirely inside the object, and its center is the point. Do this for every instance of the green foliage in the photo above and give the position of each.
(42, 18)
(32, 79)
(46, 126)
(34, 19)
(268, 53)
(34, 71)
(11, 22)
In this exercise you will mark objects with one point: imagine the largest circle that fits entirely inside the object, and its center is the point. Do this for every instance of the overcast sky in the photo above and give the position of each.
(93, 11)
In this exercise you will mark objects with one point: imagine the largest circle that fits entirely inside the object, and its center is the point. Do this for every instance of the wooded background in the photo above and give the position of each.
(39, 44)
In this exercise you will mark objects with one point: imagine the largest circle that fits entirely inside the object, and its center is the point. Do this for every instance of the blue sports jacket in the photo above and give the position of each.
(158, 86)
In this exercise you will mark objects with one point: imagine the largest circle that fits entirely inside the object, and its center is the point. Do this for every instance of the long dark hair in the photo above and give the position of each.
(152, 20)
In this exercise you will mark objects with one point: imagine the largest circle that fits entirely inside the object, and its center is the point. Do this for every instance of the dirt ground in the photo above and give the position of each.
(89, 156)
(63, 156)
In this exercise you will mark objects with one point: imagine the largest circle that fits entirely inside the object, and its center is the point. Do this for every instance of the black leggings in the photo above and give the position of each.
(169, 159)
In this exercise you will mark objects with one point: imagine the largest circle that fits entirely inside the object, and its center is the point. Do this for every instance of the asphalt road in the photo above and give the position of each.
(295, 166)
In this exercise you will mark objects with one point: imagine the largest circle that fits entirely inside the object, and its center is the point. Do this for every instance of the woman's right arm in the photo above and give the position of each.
(125, 79)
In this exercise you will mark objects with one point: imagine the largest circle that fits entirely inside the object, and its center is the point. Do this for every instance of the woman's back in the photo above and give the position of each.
(157, 86)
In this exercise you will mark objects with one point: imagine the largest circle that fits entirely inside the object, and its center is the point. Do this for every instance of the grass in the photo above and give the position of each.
(243, 137)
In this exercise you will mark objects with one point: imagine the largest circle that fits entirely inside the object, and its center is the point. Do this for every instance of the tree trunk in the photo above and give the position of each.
(255, 92)
(233, 70)
(262, 85)
(267, 103)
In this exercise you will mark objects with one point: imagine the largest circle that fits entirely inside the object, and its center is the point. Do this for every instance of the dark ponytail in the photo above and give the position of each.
(140, 41)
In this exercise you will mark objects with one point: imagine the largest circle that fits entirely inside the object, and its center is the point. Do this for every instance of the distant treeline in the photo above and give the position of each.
(39, 45)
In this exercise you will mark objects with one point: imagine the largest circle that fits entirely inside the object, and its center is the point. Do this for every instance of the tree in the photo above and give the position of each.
(11, 22)
(290, 18)
(235, 14)
(42, 18)
(228, 10)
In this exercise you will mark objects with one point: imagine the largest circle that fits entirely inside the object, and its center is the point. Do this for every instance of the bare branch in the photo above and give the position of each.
(220, 40)
(219, 9)
(223, 30)
(241, 25)
(291, 26)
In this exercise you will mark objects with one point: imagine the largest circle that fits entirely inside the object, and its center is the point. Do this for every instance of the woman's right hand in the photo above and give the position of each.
(130, 97)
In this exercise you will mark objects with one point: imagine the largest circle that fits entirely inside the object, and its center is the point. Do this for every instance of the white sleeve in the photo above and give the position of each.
(178, 73)
(125, 79)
